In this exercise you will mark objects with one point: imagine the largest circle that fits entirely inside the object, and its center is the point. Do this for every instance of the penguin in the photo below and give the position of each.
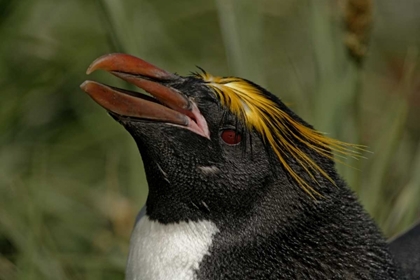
(240, 187)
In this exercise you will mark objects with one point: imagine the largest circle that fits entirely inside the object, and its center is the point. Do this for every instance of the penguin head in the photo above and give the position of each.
(214, 147)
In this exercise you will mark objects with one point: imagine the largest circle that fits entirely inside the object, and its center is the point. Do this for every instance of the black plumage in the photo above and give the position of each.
(406, 249)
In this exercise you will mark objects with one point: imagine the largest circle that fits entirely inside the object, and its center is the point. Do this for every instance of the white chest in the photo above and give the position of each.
(174, 251)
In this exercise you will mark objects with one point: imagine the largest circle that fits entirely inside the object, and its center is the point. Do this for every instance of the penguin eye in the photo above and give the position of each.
(231, 136)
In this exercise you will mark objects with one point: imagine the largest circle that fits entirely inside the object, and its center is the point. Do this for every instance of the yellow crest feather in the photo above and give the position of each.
(263, 115)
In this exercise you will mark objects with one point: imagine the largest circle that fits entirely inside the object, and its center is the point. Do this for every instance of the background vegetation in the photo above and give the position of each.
(71, 179)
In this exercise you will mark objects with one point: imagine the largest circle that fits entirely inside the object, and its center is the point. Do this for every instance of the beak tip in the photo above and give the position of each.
(85, 85)
(93, 66)
(104, 62)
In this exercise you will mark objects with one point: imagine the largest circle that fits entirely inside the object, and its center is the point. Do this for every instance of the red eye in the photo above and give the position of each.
(230, 136)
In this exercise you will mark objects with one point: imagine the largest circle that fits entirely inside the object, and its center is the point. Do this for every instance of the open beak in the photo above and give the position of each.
(167, 105)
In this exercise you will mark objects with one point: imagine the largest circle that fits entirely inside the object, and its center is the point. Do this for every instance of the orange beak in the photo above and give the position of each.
(168, 105)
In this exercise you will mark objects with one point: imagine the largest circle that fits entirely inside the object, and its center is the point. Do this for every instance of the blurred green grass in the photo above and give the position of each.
(71, 179)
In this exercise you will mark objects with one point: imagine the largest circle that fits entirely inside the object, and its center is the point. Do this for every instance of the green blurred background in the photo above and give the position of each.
(71, 179)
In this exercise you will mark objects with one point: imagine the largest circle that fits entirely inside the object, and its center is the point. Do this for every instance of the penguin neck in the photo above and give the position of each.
(167, 210)
(167, 201)
(330, 237)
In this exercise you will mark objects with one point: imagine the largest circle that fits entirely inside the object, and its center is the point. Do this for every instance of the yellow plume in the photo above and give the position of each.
(258, 112)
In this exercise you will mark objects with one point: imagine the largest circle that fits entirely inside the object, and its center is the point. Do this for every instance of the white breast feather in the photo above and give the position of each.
(168, 252)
